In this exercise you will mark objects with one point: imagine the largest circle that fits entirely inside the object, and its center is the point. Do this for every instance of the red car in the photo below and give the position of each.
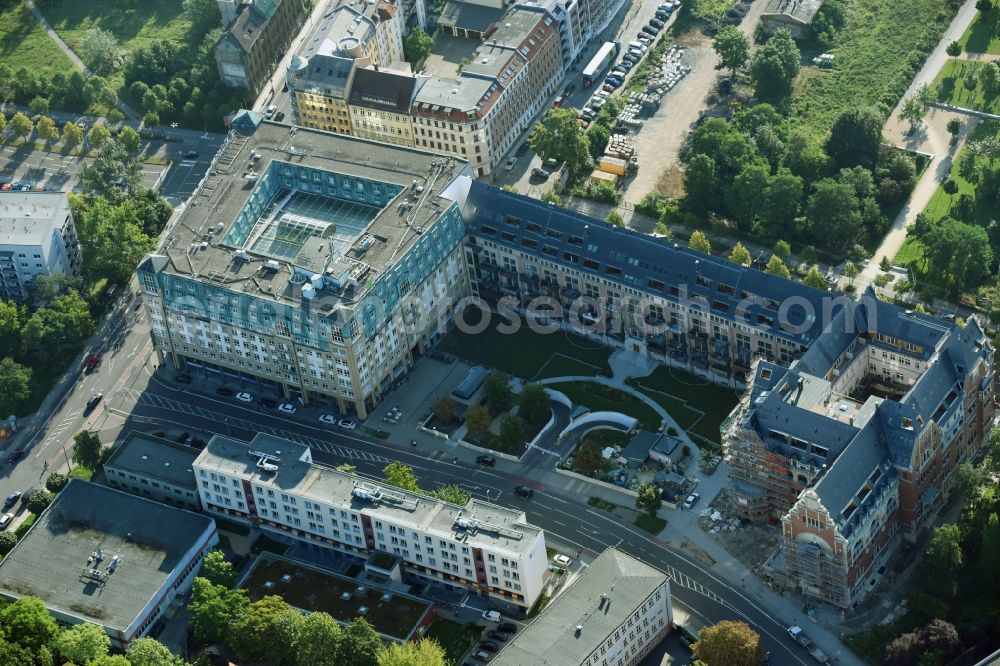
(93, 362)
(558, 103)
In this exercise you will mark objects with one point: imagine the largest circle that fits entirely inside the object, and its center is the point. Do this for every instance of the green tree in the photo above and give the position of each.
(72, 135)
(82, 643)
(588, 456)
(318, 641)
(914, 109)
(648, 498)
(56, 481)
(533, 403)
(960, 253)
(782, 201)
(834, 212)
(730, 643)
(3, 123)
(129, 140)
(151, 652)
(615, 219)
(21, 126)
(402, 476)
(950, 187)
(28, 623)
(360, 644)
(111, 660)
(943, 558)
(740, 255)
(416, 46)
(851, 272)
(66, 320)
(87, 450)
(12, 318)
(7, 542)
(988, 551)
(885, 264)
(512, 433)
(98, 136)
(803, 156)
(265, 631)
(497, 391)
(733, 48)
(115, 238)
(745, 197)
(443, 409)
(775, 266)
(217, 570)
(15, 387)
(700, 242)
(39, 105)
(855, 138)
(954, 126)
(203, 14)
(425, 652)
(775, 65)
(451, 493)
(558, 136)
(150, 119)
(47, 130)
(39, 500)
(814, 278)
(215, 609)
(989, 79)
(954, 49)
(477, 420)
(782, 249)
(99, 50)
(346, 468)
(114, 170)
(984, 5)
(700, 184)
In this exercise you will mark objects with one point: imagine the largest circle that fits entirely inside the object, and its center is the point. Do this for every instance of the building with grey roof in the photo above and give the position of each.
(796, 16)
(859, 440)
(273, 484)
(257, 34)
(379, 104)
(155, 468)
(104, 556)
(468, 19)
(613, 613)
(37, 237)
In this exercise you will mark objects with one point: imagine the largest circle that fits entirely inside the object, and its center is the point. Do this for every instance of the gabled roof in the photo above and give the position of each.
(800, 11)
(388, 91)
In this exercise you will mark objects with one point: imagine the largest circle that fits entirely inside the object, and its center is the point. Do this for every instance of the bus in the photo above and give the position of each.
(600, 62)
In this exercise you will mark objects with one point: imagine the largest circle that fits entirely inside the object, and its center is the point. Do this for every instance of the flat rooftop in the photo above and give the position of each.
(27, 218)
(271, 196)
(51, 560)
(156, 458)
(551, 637)
(500, 530)
(311, 589)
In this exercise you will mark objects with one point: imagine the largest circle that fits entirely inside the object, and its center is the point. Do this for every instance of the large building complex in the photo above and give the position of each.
(854, 446)
(257, 35)
(612, 614)
(155, 468)
(37, 237)
(103, 556)
(272, 484)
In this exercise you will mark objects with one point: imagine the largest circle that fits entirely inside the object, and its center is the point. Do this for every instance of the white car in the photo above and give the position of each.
(562, 560)
(328, 419)
(691, 500)
(286, 408)
(244, 397)
(6, 520)
(509, 165)
(492, 616)
(347, 424)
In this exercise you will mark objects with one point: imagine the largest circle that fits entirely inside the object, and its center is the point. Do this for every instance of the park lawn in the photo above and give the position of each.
(455, 638)
(698, 406)
(912, 253)
(23, 43)
(950, 90)
(133, 22)
(872, 53)
(940, 205)
(981, 36)
(525, 353)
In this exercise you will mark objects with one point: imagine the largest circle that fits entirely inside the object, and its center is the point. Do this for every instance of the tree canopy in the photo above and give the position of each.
(733, 48)
(558, 136)
(775, 65)
(730, 643)
(425, 652)
(87, 450)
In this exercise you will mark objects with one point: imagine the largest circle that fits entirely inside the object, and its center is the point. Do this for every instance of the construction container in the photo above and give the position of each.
(613, 165)
(604, 177)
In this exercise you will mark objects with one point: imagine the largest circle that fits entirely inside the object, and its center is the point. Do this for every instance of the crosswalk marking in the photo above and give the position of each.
(685, 581)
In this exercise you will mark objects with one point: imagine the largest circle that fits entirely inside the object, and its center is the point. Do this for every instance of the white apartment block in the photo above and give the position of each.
(272, 484)
(612, 614)
(37, 237)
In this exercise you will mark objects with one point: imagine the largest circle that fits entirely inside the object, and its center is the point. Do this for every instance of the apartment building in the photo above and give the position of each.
(346, 37)
(449, 118)
(612, 614)
(156, 468)
(257, 35)
(312, 266)
(854, 446)
(272, 484)
(37, 237)
(379, 105)
(573, 34)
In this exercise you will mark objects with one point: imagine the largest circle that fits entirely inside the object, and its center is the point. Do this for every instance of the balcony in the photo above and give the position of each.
(654, 320)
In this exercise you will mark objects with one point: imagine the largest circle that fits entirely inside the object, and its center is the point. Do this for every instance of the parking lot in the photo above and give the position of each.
(42, 170)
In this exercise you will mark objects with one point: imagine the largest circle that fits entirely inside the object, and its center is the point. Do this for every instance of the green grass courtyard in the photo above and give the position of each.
(981, 36)
(23, 42)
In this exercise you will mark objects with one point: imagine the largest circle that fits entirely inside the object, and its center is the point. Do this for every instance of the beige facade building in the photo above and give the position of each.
(379, 105)
(257, 35)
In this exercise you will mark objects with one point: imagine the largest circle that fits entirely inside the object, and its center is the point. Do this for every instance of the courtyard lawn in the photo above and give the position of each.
(981, 36)
(530, 355)
(455, 638)
(877, 54)
(133, 23)
(949, 88)
(23, 43)
(698, 406)
(600, 398)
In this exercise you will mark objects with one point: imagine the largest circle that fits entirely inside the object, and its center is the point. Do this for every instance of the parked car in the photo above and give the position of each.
(569, 90)
(656, 23)
(558, 102)
(279, 116)
(328, 419)
(491, 615)
(189, 155)
(6, 520)
(93, 402)
(483, 656)
(691, 500)
(243, 396)
(182, 379)
(347, 424)
(521, 150)
(507, 627)
(268, 402)
(271, 110)
(562, 560)
(540, 173)
(286, 408)
(227, 392)
(509, 165)
(486, 460)
(497, 636)
(524, 491)
(650, 30)
(13, 497)
(488, 646)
